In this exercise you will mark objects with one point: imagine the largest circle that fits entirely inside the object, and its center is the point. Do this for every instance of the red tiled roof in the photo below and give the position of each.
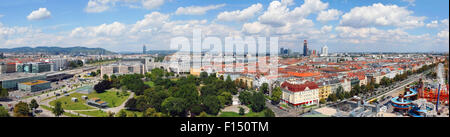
(299, 87)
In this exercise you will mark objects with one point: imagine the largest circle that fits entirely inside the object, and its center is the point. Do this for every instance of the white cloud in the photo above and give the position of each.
(278, 13)
(331, 14)
(443, 34)
(326, 28)
(197, 10)
(239, 15)
(41, 13)
(114, 29)
(433, 24)
(253, 28)
(1, 15)
(11, 32)
(152, 4)
(309, 7)
(97, 6)
(381, 15)
(152, 21)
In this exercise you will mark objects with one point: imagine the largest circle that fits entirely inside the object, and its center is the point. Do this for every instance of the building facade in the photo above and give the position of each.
(123, 68)
(34, 86)
(10, 81)
(38, 67)
(324, 91)
(298, 93)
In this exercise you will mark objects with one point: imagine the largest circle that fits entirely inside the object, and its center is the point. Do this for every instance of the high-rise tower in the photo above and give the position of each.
(144, 50)
(325, 51)
(305, 48)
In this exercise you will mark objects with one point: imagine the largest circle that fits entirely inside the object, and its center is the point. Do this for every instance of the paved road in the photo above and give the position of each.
(279, 112)
(403, 84)
(117, 109)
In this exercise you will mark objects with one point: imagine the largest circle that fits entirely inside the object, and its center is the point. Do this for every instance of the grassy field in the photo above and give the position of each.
(114, 98)
(94, 113)
(46, 107)
(68, 104)
(47, 98)
(150, 83)
(65, 113)
(70, 114)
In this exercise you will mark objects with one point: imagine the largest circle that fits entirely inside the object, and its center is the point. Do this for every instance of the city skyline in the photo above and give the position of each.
(119, 25)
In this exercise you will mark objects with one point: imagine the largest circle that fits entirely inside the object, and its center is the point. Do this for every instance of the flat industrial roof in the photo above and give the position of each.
(36, 82)
(12, 76)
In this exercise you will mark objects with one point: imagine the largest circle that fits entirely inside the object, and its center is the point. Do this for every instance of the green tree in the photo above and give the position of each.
(265, 88)
(151, 112)
(3, 112)
(276, 95)
(58, 110)
(34, 104)
(122, 113)
(269, 113)
(258, 102)
(196, 109)
(131, 104)
(340, 93)
(102, 86)
(212, 104)
(174, 106)
(203, 75)
(189, 93)
(332, 97)
(21, 109)
(244, 97)
(225, 98)
(230, 85)
(3, 93)
(105, 77)
(241, 111)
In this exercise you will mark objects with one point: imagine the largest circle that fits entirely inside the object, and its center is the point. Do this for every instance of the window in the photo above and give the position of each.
(115, 69)
(130, 69)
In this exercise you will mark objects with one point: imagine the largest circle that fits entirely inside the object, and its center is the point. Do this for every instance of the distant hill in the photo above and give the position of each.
(161, 52)
(58, 50)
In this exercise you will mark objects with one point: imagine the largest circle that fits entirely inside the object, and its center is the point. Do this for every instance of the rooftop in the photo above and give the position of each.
(36, 82)
(11, 76)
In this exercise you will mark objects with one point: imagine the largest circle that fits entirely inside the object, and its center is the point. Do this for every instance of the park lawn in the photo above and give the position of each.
(46, 107)
(94, 113)
(113, 97)
(65, 113)
(70, 114)
(150, 83)
(47, 98)
(68, 104)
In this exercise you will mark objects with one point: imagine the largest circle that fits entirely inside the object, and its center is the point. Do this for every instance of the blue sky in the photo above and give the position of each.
(125, 25)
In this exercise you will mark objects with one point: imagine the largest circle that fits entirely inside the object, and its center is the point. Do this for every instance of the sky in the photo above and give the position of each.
(126, 25)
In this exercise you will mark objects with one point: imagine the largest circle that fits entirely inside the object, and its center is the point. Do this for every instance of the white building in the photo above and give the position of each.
(297, 93)
(324, 51)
